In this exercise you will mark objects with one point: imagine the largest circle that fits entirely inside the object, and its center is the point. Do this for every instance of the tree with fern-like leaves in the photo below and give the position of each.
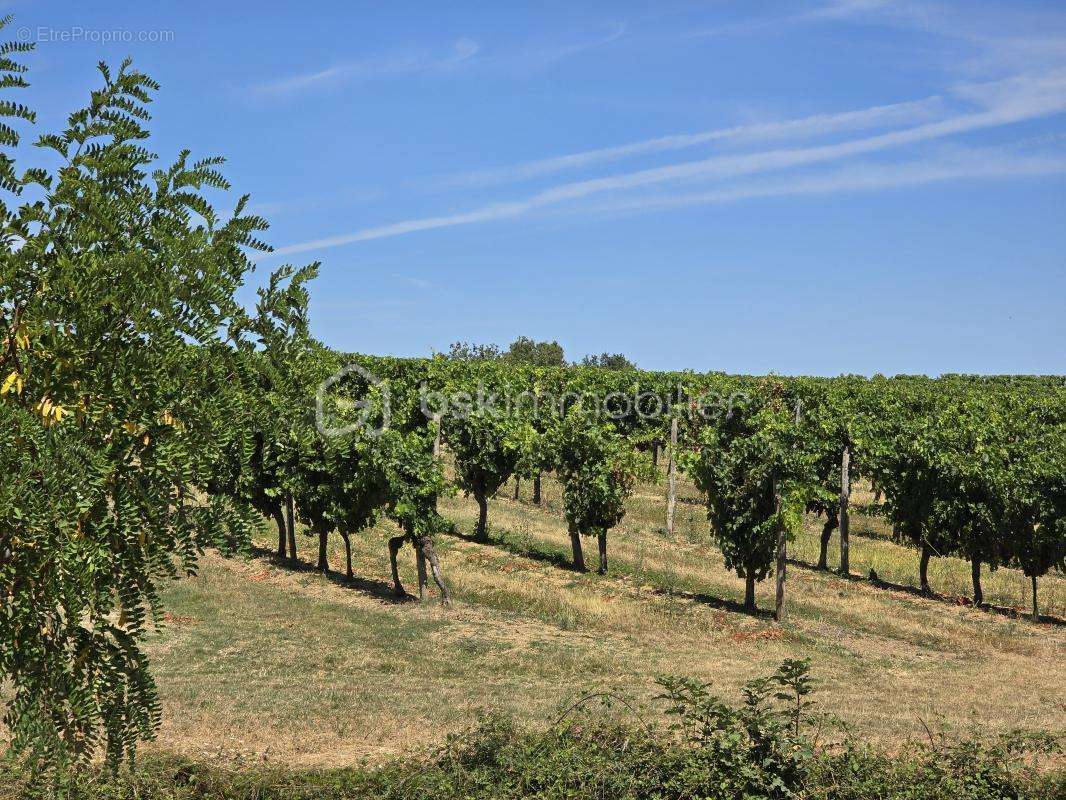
(120, 389)
(275, 355)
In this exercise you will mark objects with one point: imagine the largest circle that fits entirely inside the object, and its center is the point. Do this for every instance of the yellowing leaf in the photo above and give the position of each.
(50, 412)
(9, 383)
(169, 419)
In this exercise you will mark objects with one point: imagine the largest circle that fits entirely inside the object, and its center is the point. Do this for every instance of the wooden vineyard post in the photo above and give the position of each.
(290, 525)
(671, 497)
(782, 558)
(845, 499)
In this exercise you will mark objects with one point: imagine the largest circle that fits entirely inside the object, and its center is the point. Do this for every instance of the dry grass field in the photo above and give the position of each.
(271, 661)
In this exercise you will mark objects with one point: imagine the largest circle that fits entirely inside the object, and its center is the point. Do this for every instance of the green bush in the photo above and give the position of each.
(759, 748)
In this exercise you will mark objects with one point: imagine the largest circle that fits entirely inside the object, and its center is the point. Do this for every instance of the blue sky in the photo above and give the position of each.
(815, 187)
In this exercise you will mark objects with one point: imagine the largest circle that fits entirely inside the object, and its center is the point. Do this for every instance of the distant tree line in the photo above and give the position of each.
(525, 350)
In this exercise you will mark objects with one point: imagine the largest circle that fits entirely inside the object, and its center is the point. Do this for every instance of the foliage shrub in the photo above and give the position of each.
(763, 747)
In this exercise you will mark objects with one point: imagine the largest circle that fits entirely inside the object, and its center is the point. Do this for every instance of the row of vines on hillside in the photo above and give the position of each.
(967, 466)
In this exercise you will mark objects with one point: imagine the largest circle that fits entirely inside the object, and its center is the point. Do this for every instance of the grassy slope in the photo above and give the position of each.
(262, 660)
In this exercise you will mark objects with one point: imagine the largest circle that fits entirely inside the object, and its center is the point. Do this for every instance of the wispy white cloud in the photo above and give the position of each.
(997, 39)
(820, 12)
(464, 50)
(418, 283)
(295, 83)
(539, 57)
(1001, 38)
(816, 125)
(850, 8)
(1022, 98)
(978, 164)
(368, 69)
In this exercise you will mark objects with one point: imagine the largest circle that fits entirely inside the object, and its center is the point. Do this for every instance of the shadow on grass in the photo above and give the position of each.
(721, 603)
(792, 562)
(513, 545)
(955, 600)
(378, 589)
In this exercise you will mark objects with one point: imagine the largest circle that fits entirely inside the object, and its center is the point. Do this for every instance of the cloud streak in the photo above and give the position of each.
(368, 69)
(835, 10)
(462, 51)
(973, 165)
(1014, 101)
(816, 125)
(543, 57)
(1012, 38)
